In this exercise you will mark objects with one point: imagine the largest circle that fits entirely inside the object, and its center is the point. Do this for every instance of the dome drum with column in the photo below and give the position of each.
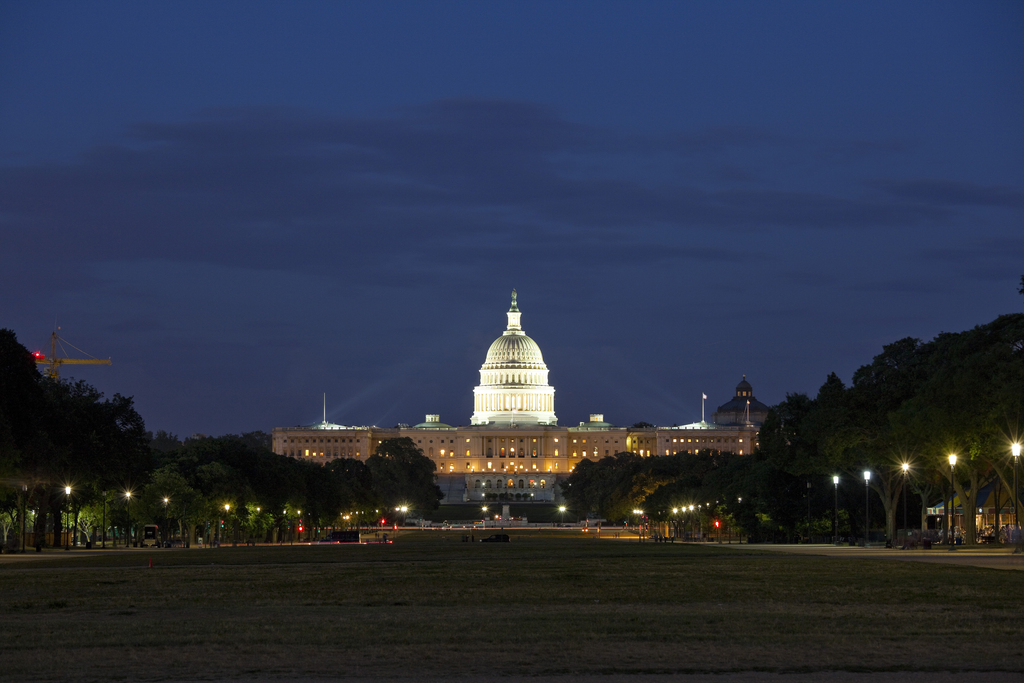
(513, 385)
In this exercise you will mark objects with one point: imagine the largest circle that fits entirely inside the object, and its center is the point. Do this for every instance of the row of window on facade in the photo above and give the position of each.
(352, 453)
(293, 440)
(707, 440)
(510, 484)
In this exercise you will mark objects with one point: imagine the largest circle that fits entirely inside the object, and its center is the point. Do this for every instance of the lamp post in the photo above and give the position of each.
(24, 504)
(835, 524)
(128, 508)
(867, 501)
(227, 515)
(166, 501)
(67, 512)
(1015, 449)
(700, 523)
(952, 492)
(906, 472)
(403, 509)
(740, 540)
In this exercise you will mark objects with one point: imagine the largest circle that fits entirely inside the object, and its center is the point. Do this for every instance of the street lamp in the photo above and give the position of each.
(166, 523)
(227, 514)
(403, 509)
(867, 517)
(128, 508)
(67, 505)
(835, 527)
(1015, 449)
(906, 473)
(639, 523)
(952, 492)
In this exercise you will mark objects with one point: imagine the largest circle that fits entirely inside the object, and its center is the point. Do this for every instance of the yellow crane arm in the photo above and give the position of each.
(74, 361)
(53, 363)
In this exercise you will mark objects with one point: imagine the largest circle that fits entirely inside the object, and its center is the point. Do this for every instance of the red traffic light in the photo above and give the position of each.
(717, 524)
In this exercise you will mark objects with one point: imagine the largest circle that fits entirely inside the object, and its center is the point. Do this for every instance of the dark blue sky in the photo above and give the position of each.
(248, 204)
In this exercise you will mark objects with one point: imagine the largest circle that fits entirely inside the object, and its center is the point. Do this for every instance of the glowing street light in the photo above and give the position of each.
(1015, 449)
(227, 517)
(835, 484)
(906, 473)
(67, 503)
(952, 492)
(128, 507)
(867, 518)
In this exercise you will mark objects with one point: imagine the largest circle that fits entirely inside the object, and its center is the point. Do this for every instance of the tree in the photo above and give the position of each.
(402, 475)
(971, 404)
(164, 442)
(22, 405)
(870, 439)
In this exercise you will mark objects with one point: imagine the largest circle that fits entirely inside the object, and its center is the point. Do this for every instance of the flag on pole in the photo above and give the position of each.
(704, 396)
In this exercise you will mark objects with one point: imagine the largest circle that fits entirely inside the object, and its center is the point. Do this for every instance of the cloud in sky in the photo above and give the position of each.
(290, 242)
(260, 187)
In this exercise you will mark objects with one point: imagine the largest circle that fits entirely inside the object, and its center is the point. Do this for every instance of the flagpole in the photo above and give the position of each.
(703, 397)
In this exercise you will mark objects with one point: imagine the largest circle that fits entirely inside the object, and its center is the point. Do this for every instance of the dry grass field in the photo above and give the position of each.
(545, 604)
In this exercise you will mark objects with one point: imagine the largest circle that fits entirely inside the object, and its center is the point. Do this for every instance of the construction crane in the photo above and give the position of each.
(53, 363)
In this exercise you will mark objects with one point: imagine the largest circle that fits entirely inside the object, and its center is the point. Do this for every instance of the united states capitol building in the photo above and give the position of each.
(513, 448)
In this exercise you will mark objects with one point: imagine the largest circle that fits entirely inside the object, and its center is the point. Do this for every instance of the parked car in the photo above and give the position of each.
(496, 538)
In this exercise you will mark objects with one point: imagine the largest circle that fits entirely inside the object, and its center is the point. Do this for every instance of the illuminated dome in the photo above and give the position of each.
(513, 385)
(514, 348)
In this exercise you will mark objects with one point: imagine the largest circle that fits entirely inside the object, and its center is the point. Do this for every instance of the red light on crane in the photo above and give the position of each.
(38, 355)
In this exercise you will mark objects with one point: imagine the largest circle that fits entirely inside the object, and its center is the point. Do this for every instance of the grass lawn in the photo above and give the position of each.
(547, 603)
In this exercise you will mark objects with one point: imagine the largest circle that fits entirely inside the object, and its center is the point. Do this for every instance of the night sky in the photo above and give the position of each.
(248, 204)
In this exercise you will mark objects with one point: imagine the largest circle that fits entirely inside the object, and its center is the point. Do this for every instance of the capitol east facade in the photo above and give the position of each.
(513, 448)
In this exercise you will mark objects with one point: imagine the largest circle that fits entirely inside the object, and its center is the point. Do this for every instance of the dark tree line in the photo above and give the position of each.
(915, 404)
(57, 434)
